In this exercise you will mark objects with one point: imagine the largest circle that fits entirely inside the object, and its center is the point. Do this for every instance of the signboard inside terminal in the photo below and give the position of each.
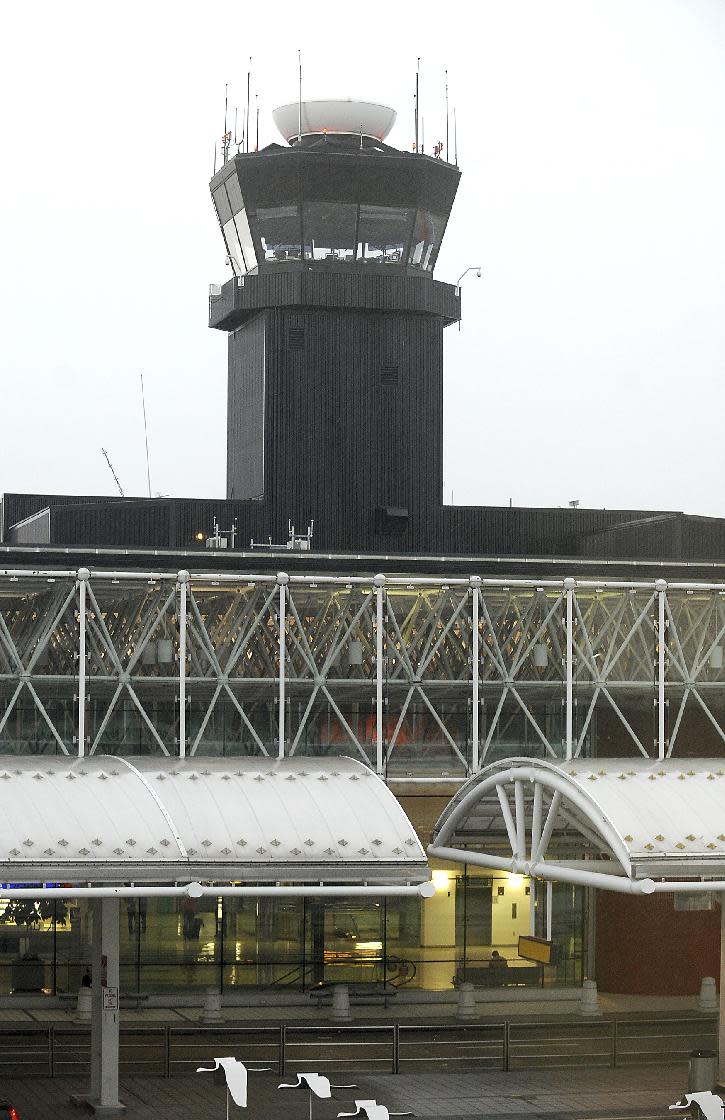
(538, 949)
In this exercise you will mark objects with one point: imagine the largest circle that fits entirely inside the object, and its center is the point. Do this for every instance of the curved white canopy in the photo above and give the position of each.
(259, 820)
(635, 821)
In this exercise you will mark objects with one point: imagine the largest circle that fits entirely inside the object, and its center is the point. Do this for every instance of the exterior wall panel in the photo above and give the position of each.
(354, 423)
(374, 417)
(517, 530)
(303, 288)
(32, 530)
(245, 410)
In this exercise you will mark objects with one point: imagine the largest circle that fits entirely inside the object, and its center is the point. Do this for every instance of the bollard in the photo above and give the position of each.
(466, 1002)
(212, 1012)
(702, 1072)
(340, 1002)
(589, 1002)
(83, 1007)
(708, 1000)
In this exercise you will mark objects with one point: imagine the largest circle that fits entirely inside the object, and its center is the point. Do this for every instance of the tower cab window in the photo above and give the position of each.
(427, 236)
(279, 232)
(383, 234)
(329, 231)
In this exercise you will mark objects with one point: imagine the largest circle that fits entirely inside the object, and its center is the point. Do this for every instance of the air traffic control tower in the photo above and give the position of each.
(335, 324)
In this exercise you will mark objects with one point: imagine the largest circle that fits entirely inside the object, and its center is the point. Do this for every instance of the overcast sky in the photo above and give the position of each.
(591, 137)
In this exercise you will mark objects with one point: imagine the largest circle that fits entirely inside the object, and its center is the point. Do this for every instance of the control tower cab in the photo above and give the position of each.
(335, 323)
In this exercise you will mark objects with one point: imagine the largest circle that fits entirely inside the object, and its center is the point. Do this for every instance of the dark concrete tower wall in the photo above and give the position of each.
(245, 409)
(354, 412)
(335, 404)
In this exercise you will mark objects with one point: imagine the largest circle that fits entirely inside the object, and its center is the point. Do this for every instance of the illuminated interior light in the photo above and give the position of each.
(441, 880)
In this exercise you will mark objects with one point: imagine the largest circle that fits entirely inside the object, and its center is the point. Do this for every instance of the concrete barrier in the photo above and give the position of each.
(83, 1006)
(212, 1011)
(589, 1004)
(466, 1002)
(708, 1000)
(341, 1002)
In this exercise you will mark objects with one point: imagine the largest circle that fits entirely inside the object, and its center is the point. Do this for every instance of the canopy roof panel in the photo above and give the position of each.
(110, 819)
(640, 818)
(666, 812)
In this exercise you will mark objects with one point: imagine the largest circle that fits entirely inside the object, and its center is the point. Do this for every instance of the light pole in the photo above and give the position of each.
(471, 268)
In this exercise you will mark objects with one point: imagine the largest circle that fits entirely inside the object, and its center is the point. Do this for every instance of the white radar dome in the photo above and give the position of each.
(335, 117)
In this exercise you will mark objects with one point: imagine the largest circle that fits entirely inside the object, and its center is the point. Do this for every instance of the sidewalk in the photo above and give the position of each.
(488, 1008)
(551, 1094)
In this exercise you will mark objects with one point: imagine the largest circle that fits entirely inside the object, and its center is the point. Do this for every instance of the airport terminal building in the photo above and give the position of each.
(397, 641)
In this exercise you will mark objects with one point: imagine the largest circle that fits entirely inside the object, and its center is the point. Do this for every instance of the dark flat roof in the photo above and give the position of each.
(34, 557)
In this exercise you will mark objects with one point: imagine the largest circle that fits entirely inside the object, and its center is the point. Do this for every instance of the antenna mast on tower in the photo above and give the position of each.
(417, 102)
(447, 159)
(249, 78)
(146, 436)
(299, 112)
(227, 135)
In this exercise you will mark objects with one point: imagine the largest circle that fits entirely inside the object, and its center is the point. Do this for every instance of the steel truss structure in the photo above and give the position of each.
(419, 677)
(540, 818)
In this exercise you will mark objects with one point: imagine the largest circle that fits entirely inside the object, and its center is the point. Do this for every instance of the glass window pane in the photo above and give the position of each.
(345, 941)
(329, 230)
(427, 235)
(222, 204)
(383, 234)
(245, 238)
(234, 248)
(177, 941)
(263, 943)
(73, 926)
(235, 193)
(27, 941)
(279, 231)
(403, 942)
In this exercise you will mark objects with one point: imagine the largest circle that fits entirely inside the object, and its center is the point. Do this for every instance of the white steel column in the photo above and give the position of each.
(475, 582)
(379, 583)
(661, 586)
(104, 1009)
(532, 906)
(96, 1000)
(83, 577)
(549, 908)
(282, 581)
(183, 579)
(569, 584)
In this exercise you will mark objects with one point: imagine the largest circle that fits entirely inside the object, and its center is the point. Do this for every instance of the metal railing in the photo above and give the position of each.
(170, 1051)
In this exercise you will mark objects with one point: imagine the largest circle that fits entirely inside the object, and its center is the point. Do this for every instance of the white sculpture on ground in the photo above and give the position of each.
(235, 1074)
(710, 1104)
(373, 1111)
(318, 1085)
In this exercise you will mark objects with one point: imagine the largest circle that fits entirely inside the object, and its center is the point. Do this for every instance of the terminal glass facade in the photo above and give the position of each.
(275, 945)
(424, 679)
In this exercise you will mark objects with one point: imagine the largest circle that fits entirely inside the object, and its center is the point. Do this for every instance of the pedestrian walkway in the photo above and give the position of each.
(549, 1094)
(397, 1011)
